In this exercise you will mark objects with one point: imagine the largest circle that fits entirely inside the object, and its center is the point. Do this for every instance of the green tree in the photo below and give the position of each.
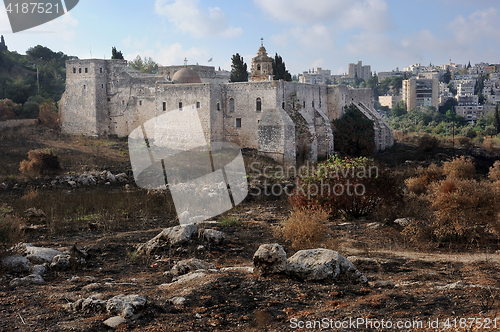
(354, 133)
(399, 109)
(117, 55)
(279, 69)
(448, 105)
(496, 120)
(146, 65)
(446, 78)
(239, 71)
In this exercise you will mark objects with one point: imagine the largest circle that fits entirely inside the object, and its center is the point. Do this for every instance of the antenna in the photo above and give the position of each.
(262, 42)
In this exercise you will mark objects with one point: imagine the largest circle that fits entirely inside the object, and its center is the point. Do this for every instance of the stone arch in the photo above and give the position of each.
(258, 104)
(231, 105)
(258, 66)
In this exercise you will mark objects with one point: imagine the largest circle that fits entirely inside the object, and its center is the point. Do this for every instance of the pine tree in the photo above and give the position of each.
(118, 55)
(239, 71)
(496, 120)
(279, 69)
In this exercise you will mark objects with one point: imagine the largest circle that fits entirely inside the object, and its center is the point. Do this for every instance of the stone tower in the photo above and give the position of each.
(3, 47)
(262, 66)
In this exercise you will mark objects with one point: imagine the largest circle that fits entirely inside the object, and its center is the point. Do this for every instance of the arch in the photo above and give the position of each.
(258, 104)
(231, 105)
(258, 66)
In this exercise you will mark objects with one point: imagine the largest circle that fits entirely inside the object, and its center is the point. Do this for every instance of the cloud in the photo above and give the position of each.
(478, 26)
(187, 17)
(172, 54)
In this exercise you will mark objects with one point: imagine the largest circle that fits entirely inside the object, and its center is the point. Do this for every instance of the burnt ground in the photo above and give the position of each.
(424, 284)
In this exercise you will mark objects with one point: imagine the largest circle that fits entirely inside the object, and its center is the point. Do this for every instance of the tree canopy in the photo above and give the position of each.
(354, 133)
(279, 69)
(117, 55)
(239, 71)
(146, 65)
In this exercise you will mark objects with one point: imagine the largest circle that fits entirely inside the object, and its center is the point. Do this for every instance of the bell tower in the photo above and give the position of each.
(262, 65)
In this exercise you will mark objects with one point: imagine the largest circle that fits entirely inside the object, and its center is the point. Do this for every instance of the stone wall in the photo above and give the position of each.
(276, 136)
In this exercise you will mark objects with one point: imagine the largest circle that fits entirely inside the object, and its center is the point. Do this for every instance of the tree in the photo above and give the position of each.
(279, 69)
(239, 71)
(147, 65)
(328, 81)
(399, 109)
(446, 78)
(354, 133)
(496, 119)
(117, 55)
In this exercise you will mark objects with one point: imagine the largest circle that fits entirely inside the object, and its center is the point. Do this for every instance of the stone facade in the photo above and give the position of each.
(284, 120)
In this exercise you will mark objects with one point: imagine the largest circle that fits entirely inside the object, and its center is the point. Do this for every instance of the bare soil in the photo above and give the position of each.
(422, 287)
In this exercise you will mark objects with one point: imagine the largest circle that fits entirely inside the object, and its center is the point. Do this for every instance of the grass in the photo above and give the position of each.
(229, 222)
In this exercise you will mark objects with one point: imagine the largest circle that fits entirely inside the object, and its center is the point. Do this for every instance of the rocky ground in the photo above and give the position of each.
(138, 274)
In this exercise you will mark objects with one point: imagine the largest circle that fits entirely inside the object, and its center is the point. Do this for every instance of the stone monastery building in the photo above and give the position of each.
(283, 120)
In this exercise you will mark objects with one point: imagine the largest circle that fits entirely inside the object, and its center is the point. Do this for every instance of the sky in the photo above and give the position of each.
(386, 34)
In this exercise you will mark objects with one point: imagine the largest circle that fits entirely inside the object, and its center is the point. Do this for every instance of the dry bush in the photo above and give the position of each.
(426, 176)
(40, 162)
(428, 143)
(494, 173)
(305, 227)
(10, 230)
(48, 115)
(460, 168)
(465, 142)
(488, 145)
(462, 209)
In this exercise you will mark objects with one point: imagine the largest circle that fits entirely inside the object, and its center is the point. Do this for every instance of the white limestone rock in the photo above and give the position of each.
(403, 222)
(173, 236)
(323, 264)
(39, 255)
(269, 259)
(113, 322)
(125, 305)
(32, 279)
(189, 265)
(16, 264)
(214, 236)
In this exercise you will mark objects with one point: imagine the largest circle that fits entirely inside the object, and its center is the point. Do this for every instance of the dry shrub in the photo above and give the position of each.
(426, 176)
(48, 115)
(465, 142)
(428, 143)
(10, 230)
(462, 209)
(488, 145)
(40, 162)
(460, 168)
(494, 173)
(305, 227)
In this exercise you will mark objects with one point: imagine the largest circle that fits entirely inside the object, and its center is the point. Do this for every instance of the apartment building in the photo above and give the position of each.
(360, 71)
(420, 92)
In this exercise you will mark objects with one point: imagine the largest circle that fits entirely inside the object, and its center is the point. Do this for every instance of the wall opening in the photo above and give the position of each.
(283, 105)
(218, 106)
(231, 105)
(198, 104)
(238, 122)
(79, 70)
(164, 106)
(84, 87)
(304, 104)
(258, 105)
(74, 70)
(102, 86)
(258, 67)
(123, 102)
(180, 106)
(312, 104)
(100, 70)
(86, 70)
(140, 102)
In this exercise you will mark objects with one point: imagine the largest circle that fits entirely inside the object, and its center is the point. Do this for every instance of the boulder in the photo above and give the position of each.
(16, 264)
(35, 215)
(38, 269)
(189, 265)
(173, 236)
(64, 262)
(178, 300)
(125, 305)
(214, 236)
(403, 222)
(110, 177)
(32, 279)
(39, 255)
(323, 264)
(122, 177)
(113, 322)
(269, 259)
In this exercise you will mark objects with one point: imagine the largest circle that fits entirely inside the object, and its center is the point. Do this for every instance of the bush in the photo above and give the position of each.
(229, 222)
(468, 132)
(40, 162)
(48, 115)
(354, 133)
(352, 186)
(428, 143)
(460, 168)
(426, 176)
(305, 227)
(494, 173)
(10, 231)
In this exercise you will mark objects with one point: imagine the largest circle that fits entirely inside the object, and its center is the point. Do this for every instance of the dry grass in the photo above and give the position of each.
(304, 228)
(10, 230)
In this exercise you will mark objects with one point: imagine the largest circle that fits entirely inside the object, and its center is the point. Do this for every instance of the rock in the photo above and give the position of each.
(39, 269)
(455, 285)
(35, 215)
(244, 269)
(188, 265)
(403, 222)
(72, 184)
(214, 236)
(61, 262)
(122, 177)
(32, 279)
(178, 300)
(16, 264)
(323, 264)
(189, 277)
(125, 305)
(110, 177)
(39, 255)
(114, 321)
(92, 304)
(173, 236)
(269, 259)
(4, 186)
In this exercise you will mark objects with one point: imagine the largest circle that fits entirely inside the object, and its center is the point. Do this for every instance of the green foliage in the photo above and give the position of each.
(446, 78)
(9, 109)
(399, 109)
(239, 71)
(229, 222)
(448, 105)
(279, 69)
(146, 65)
(354, 133)
(116, 55)
(468, 132)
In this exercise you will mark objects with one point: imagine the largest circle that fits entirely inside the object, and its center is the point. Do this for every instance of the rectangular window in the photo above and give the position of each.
(123, 102)
(102, 86)
(180, 106)
(109, 99)
(84, 86)
(140, 102)
(238, 122)
(74, 70)
(197, 104)
(86, 70)
(100, 70)
(218, 107)
(79, 70)
(164, 106)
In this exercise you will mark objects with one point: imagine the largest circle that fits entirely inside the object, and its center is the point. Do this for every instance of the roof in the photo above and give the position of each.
(186, 75)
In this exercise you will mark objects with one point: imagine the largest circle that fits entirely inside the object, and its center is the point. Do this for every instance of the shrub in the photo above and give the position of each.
(40, 162)
(351, 186)
(469, 132)
(305, 227)
(229, 222)
(10, 231)
(465, 142)
(494, 173)
(48, 115)
(428, 143)
(426, 176)
(354, 133)
(460, 168)
(488, 145)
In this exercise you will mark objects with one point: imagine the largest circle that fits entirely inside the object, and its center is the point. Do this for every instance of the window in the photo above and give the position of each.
(283, 105)
(74, 70)
(258, 67)
(84, 87)
(109, 99)
(79, 70)
(304, 104)
(123, 102)
(312, 103)
(320, 103)
(258, 106)
(100, 70)
(140, 102)
(218, 106)
(164, 106)
(180, 106)
(231, 105)
(197, 104)
(102, 86)
(238, 122)
(86, 70)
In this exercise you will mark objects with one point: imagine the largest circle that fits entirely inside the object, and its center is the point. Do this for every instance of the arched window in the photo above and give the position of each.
(231, 105)
(312, 104)
(258, 67)
(258, 106)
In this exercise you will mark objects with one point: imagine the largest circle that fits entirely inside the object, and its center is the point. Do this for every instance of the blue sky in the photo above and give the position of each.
(386, 34)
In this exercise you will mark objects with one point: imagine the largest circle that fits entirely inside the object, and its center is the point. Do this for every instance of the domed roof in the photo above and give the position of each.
(186, 75)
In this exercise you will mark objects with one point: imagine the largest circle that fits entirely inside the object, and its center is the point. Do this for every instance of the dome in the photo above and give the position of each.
(186, 75)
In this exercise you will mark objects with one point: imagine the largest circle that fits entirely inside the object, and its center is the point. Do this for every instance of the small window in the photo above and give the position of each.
(312, 103)
(283, 105)
(123, 102)
(218, 106)
(304, 104)
(164, 106)
(102, 86)
(258, 105)
(258, 67)
(100, 70)
(197, 104)
(320, 103)
(86, 70)
(74, 70)
(140, 102)
(109, 99)
(79, 70)
(231, 105)
(180, 106)
(238, 122)
(84, 87)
